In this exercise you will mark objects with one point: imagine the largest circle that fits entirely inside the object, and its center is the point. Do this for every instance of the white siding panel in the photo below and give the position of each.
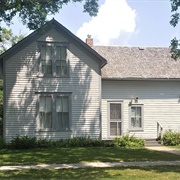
(23, 82)
(161, 102)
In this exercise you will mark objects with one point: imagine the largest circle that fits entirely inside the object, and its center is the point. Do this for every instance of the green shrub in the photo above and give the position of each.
(23, 142)
(171, 138)
(128, 141)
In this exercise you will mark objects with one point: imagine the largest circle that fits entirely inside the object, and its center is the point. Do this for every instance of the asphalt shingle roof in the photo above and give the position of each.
(135, 62)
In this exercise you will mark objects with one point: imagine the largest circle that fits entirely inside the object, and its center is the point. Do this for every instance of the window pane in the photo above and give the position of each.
(62, 109)
(136, 119)
(59, 104)
(43, 52)
(119, 128)
(115, 111)
(48, 53)
(61, 64)
(133, 122)
(63, 53)
(42, 104)
(136, 122)
(115, 128)
(138, 111)
(45, 112)
(46, 59)
(45, 120)
(65, 104)
(133, 111)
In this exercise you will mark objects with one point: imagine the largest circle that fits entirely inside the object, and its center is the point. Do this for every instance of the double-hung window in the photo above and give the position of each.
(53, 59)
(54, 112)
(136, 117)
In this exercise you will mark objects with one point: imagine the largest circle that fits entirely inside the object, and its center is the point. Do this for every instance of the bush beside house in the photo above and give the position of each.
(25, 142)
(171, 138)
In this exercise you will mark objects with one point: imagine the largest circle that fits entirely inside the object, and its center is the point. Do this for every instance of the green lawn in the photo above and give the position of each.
(117, 173)
(175, 147)
(79, 155)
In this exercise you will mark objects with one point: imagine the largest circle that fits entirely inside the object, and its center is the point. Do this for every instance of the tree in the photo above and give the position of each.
(8, 39)
(33, 13)
(175, 18)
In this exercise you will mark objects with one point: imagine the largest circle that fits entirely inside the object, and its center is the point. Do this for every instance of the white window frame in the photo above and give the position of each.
(120, 121)
(131, 128)
(53, 56)
(54, 113)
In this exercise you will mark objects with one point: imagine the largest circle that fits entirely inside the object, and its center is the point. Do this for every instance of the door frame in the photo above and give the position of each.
(108, 116)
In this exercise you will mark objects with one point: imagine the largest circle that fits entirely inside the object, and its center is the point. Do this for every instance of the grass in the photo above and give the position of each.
(116, 173)
(79, 155)
(175, 147)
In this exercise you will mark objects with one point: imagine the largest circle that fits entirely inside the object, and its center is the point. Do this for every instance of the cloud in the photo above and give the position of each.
(115, 18)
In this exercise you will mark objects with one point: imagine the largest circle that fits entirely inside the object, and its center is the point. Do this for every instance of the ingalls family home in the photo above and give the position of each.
(56, 86)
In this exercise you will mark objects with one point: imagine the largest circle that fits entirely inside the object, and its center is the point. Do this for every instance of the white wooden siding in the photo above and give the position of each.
(161, 102)
(22, 82)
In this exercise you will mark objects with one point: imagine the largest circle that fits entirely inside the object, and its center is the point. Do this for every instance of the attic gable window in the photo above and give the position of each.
(53, 59)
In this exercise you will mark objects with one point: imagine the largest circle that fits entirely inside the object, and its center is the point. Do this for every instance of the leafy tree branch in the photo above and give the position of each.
(175, 18)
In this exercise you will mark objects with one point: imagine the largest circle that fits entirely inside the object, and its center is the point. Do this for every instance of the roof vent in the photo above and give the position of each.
(140, 48)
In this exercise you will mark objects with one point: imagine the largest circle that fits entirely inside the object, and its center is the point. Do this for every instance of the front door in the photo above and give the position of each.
(115, 118)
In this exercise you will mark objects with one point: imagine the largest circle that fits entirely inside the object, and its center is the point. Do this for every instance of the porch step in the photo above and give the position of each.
(151, 143)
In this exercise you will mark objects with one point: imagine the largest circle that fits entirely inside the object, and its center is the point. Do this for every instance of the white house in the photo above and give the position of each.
(56, 86)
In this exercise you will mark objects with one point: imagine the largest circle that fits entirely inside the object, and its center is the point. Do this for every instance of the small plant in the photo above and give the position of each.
(128, 141)
(171, 138)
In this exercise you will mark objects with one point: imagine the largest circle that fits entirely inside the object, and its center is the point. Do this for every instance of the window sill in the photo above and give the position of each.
(136, 130)
(39, 131)
(52, 76)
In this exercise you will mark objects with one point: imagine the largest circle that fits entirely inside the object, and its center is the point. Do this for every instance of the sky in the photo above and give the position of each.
(141, 23)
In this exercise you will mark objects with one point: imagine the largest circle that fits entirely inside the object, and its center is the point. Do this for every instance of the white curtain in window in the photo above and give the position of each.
(59, 107)
(45, 109)
(61, 66)
(48, 53)
(45, 104)
(43, 52)
(62, 104)
(62, 109)
(65, 104)
(46, 59)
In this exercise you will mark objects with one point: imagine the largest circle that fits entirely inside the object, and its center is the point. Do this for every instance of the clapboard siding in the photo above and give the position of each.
(161, 100)
(23, 83)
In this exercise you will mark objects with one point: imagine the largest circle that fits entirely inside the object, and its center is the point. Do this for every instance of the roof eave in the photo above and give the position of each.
(140, 79)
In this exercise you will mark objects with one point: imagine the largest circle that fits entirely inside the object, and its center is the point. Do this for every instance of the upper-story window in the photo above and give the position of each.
(53, 59)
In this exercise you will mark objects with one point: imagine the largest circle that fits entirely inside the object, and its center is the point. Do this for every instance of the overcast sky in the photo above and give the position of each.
(119, 22)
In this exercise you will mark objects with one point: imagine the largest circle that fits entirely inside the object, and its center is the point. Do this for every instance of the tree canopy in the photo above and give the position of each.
(33, 13)
(8, 39)
(175, 18)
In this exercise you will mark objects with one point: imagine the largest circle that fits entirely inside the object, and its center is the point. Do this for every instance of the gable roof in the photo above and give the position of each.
(64, 31)
(138, 63)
